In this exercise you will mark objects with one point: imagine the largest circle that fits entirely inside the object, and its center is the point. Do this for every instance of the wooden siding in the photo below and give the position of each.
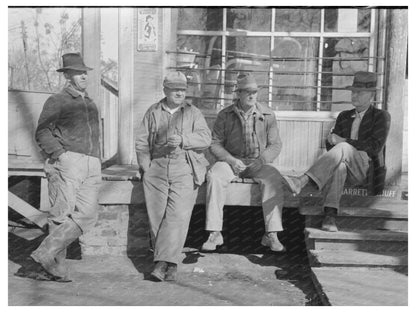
(24, 109)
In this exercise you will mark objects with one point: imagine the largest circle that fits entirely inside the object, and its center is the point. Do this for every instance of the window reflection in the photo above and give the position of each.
(199, 19)
(347, 20)
(249, 19)
(298, 20)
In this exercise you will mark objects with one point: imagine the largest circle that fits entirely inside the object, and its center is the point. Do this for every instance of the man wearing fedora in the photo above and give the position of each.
(68, 135)
(358, 137)
(169, 145)
(245, 142)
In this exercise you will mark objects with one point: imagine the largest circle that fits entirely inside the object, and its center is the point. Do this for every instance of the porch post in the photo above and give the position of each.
(395, 87)
(126, 85)
(91, 34)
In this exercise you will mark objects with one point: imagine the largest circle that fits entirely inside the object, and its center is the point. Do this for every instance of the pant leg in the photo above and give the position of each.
(156, 188)
(85, 214)
(218, 179)
(334, 167)
(271, 185)
(180, 202)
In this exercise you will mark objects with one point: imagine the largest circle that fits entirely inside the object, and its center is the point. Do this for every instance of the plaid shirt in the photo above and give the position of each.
(251, 143)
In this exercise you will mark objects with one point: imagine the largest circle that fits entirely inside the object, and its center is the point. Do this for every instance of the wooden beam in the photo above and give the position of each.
(395, 83)
(91, 51)
(126, 48)
(34, 215)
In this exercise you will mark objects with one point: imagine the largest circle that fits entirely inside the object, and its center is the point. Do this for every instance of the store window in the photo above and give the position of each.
(37, 39)
(302, 58)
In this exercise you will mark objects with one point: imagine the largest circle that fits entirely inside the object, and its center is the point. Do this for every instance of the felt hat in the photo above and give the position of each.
(363, 81)
(246, 82)
(73, 61)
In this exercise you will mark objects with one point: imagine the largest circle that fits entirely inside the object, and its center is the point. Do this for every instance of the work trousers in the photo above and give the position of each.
(73, 184)
(340, 164)
(170, 195)
(272, 196)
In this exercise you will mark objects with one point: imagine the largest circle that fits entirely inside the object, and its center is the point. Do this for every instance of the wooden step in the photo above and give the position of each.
(361, 223)
(356, 258)
(361, 240)
(397, 209)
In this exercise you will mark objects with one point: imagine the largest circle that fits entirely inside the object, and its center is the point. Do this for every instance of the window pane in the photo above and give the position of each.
(249, 19)
(294, 73)
(347, 20)
(199, 19)
(199, 57)
(247, 54)
(342, 58)
(37, 39)
(298, 20)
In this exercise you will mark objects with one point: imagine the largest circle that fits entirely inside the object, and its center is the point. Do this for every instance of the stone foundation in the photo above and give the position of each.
(120, 230)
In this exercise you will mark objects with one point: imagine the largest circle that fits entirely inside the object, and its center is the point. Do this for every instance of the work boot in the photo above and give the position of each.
(60, 257)
(171, 272)
(159, 271)
(271, 240)
(215, 239)
(57, 241)
(31, 269)
(328, 224)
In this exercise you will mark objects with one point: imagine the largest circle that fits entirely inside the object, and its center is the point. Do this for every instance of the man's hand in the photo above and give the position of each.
(334, 139)
(238, 166)
(174, 140)
(140, 173)
(255, 165)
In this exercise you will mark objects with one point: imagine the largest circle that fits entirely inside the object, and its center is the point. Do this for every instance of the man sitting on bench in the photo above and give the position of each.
(245, 142)
(359, 136)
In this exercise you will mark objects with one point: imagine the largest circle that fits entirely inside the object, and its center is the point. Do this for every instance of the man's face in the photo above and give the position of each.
(175, 96)
(78, 78)
(247, 97)
(361, 100)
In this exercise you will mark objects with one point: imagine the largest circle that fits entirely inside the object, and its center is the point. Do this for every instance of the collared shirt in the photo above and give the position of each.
(251, 144)
(356, 124)
(170, 123)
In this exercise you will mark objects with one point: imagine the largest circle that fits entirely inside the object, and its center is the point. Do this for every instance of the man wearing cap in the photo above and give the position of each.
(245, 142)
(358, 137)
(68, 135)
(169, 145)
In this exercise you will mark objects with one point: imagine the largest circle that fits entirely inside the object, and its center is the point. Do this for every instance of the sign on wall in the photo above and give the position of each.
(147, 29)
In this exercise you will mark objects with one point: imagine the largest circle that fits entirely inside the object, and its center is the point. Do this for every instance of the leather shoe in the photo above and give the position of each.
(159, 271)
(328, 224)
(171, 272)
(215, 239)
(271, 240)
(294, 183)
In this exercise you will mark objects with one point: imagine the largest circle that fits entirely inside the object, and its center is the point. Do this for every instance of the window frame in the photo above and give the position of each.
(376, 59)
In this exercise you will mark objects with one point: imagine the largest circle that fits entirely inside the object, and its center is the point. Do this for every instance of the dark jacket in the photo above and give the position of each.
(68, 122)
(227, 136)
(372, 136)
(196, 137)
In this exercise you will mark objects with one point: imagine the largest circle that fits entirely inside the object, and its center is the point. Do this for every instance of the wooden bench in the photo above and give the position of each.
(121, 186)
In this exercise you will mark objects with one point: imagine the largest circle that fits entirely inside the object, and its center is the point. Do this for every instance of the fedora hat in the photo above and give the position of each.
(246, 82)
(73, 61)
(363, 81)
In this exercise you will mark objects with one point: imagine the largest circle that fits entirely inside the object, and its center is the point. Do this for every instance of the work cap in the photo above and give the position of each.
(175, 80)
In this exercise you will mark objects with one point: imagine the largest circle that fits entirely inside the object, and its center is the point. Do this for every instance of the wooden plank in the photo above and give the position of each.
(395, 82)
(357, 258)
(377, 235)
(126, 49)
(34, 215)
